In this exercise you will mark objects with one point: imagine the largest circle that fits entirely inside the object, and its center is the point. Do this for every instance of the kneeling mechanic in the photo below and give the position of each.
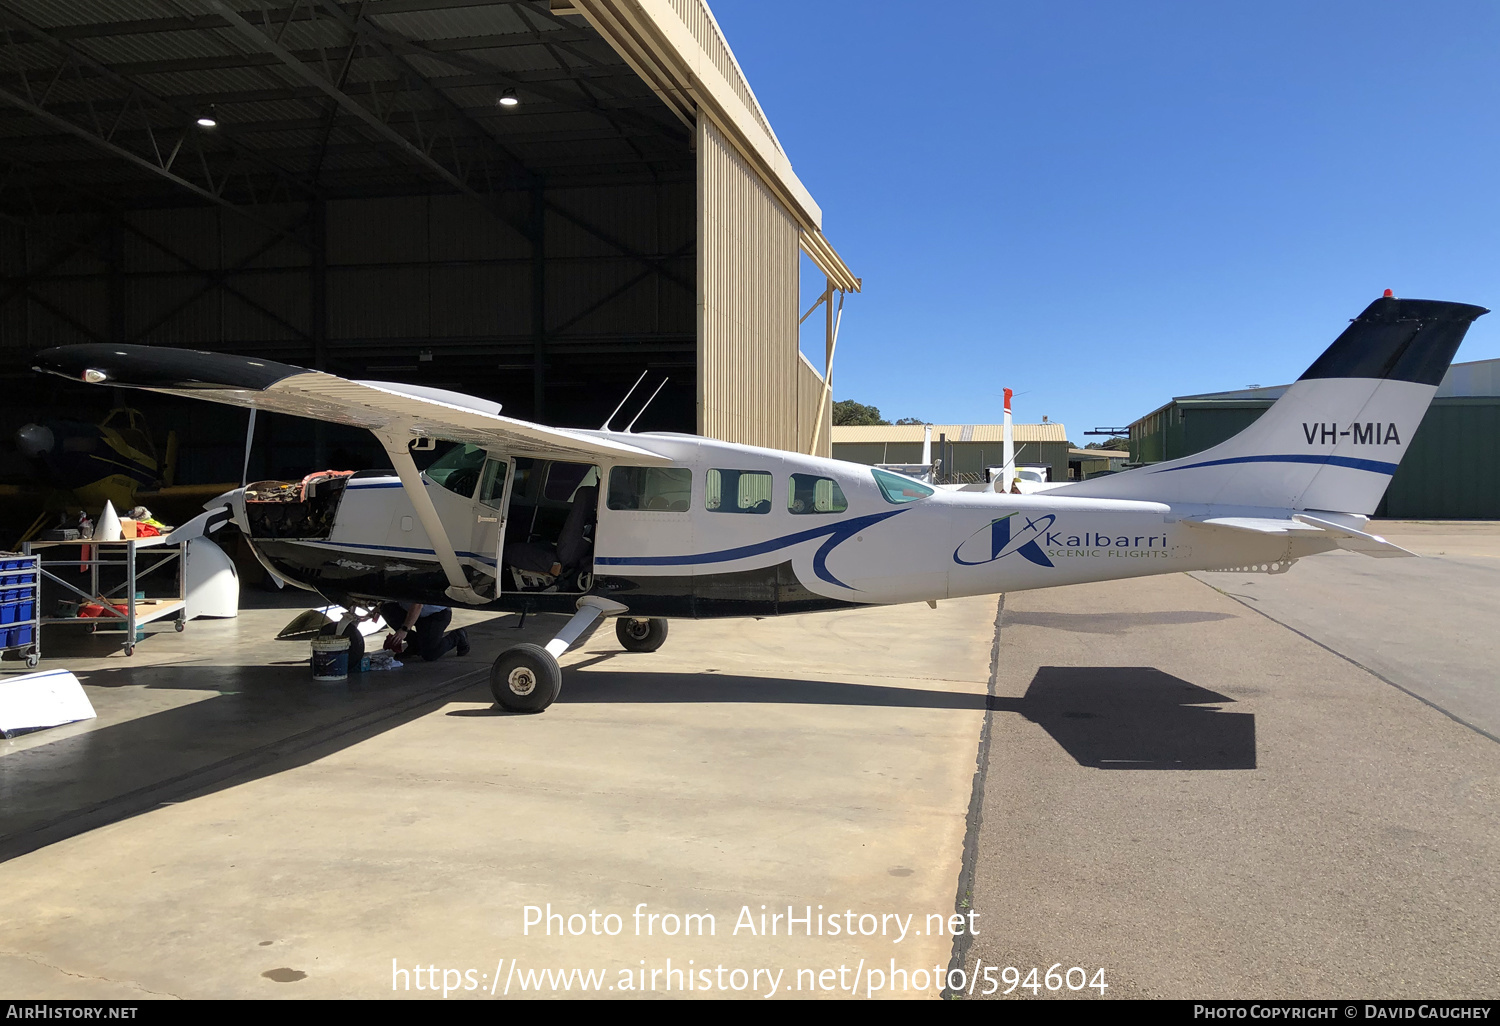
(429, 626)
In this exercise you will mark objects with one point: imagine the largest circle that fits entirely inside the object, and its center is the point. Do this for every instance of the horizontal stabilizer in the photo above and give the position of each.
(1356, 541)
(1305, 526)
(1252, 525)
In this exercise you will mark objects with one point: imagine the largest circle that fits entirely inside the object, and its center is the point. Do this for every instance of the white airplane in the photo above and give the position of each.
(643, 527)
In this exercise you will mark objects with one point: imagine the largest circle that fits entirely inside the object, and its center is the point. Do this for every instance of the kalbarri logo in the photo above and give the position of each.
(999, 538)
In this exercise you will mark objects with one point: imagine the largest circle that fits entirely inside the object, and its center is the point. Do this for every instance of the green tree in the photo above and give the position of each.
(848, 413)
(912, 420)
(1117, 443)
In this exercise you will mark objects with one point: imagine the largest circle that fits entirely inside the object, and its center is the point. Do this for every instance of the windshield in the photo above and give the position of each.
(458, 469)
(898, 489)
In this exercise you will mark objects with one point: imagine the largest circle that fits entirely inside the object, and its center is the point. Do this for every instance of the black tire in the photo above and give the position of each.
(525, 679)
(356, 643)
(356, 646)
(641, 635)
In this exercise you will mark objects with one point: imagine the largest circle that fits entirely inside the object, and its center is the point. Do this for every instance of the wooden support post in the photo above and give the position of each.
(831, 341)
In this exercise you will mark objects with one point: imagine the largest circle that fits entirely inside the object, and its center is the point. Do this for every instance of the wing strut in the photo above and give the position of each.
(411, 481)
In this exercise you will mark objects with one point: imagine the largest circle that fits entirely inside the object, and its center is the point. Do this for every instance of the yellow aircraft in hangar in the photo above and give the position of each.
(82, 466)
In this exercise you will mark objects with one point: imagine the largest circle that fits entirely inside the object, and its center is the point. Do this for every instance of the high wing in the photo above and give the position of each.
(381, 407)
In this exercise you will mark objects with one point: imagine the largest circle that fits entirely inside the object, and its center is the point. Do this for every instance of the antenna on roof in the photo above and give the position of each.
(648, 403)
(605, 426)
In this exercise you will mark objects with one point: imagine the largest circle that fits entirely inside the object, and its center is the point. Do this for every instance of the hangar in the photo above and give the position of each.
(534, 201)
(1451, 470)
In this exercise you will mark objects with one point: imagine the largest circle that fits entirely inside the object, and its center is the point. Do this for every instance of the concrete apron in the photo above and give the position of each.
(819, 760)
(1210, 806)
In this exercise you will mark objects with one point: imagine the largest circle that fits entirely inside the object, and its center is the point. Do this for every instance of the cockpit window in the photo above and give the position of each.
(812, 494)
(898, 489)
(458, 469)
(492, 483)
(650, 488)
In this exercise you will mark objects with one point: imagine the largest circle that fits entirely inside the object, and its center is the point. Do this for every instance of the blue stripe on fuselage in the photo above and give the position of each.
(1373, 466)
(837, 534)
(381, 548)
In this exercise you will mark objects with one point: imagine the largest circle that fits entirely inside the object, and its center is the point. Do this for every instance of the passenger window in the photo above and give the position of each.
(737, 491)
(650, 488)
(898, 489)
(492, 482)
(564, 479)
(812, 494)
(458, 469)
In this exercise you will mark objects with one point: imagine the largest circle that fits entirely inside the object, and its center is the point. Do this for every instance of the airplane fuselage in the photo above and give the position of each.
(733, 530)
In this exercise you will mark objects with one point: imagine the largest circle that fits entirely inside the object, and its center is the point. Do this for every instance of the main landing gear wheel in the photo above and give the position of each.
(641, 635)
(356, 643)
(525, 679)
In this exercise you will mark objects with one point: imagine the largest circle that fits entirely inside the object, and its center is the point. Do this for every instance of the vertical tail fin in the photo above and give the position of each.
(1334, 439)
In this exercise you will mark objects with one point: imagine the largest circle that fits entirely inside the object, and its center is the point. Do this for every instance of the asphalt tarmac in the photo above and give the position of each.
(1207, 804)
(1425, 625)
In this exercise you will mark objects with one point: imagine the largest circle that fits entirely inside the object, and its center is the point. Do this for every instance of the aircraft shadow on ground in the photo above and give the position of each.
(1108, 717)
(1136, 717)
(269, 719)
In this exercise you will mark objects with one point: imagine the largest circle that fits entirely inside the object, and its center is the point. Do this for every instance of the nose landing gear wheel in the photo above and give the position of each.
(525, 679)
(641, 635)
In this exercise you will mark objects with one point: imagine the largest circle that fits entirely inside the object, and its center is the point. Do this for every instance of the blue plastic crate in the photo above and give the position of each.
(6, 634)
(10, 612)
(25, 610)
(21, 635)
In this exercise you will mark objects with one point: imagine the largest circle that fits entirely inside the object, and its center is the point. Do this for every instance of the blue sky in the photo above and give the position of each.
(1103, 205)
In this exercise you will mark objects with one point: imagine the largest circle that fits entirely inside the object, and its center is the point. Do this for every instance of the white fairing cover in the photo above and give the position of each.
(213, 584)
(47, 699)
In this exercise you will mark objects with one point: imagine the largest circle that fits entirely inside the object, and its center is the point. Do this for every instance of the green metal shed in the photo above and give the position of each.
(1451, 470)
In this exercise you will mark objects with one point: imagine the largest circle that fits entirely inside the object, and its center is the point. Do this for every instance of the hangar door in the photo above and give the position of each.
(754, 387)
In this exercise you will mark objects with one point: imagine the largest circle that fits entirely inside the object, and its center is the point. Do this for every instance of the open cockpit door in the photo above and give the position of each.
(490, 504)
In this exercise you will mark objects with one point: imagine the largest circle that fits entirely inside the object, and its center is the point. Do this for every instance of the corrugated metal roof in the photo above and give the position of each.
(1474, 378)
(82, 12)
(955, 432)
(1480, 377)
(425, 60)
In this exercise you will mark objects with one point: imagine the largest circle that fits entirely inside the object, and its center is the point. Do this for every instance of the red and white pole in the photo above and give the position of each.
(1008, 474)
